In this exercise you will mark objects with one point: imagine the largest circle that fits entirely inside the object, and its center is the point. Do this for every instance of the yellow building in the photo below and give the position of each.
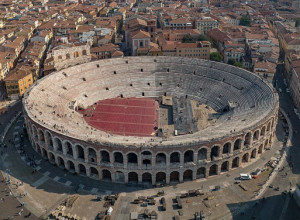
(205, 24)
(200, 50)
(18, 81)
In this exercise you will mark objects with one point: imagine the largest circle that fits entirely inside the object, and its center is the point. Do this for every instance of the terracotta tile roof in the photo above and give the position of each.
(140, 34)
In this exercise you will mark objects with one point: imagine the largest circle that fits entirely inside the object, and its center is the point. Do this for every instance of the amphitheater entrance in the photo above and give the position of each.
(147, 178)
(174, 177)
(60, 162)
(104, 157)
(82, 169)
(106, 175)
(213, 170)
(188, 175)
(69, 149)
(175, 157)
(214, 153)
(201, 172)
(253, 154)
(71, 166)
(133, 177)
(188, 156)
(160, 177)
(202, 154)
(225, 166)
(94, 173)
(245, 158)
(119, 177)
(235, 162)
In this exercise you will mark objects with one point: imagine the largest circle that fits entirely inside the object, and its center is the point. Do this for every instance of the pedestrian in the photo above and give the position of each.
(10, 193)
(23, 204)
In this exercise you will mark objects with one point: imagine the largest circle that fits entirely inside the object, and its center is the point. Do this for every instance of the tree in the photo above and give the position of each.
(245, 20)
(216, 56)
(231, 61)
(202, 38)
(297, 24)
(188, 39)
(234, 62)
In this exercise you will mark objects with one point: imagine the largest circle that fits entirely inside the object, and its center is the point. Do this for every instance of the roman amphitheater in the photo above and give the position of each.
(151, 120)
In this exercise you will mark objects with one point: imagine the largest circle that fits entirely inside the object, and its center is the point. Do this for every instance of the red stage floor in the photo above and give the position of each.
(124, 116)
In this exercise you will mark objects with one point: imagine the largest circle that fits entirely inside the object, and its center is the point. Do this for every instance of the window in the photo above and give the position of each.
(67, 56)
(141, 43)
(84, 52)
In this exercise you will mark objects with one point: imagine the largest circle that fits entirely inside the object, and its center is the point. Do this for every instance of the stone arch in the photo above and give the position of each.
(175, 157)
(260, 149)
(119, 177)
(235, 162)
(118, 157)
(160, 159)
(34, 132)
(237, 144)
(188, 156)
(106, 175)
(256, 135)
(60, 162)
(146, 157)
(133, 177)
(226, 148)
(51, 157)
(58, 145)
(174, 176)
(269, 126)
(71, 166)
(201, 172)
(81, 169)
(213, 170)
(49, 140)
(69, 148)
(245, 158)
(188, 175)
(38, 149)
(44, 153)
(104, 156)
(147, 178)
(132, 158)
(92, 155)
(263, 131)
(247, 140)
(41, 136)
(253, 153)
(161, 177)
(202, 154)
(80, 152)
(225, 166)
(94, 172)
(266, 144)
(215, 152)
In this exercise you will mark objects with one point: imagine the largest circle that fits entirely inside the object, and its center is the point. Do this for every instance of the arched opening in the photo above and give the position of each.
(201, 172)
(80, 152)
(245, 158)
(269, 126)
(94, 173)
(214, 153)
(104, 156)
(132, 158)
(256, 135)
(44, 153)
(58, 145)
(133, 177)
(41, 136)
(188, 175)
(226, 148)
(51, 157)
(146, 159)
(48, 140)
(39, 149)
(260, 149)
(146, 153)
(225, 166)
(71, 166)
(69, 148)
(68, 56)
(174, 177)
(118, 157)
(35, 133)
(202, 154)
(119, 177)
(263, 131)
(213, 170)
(147, 178)
(146, 162)
(160, 177)
(106, 175)
(82, 169)
(92, 156)
(253, 153)
(266, 144)
(237, 144)
(175, 157)
(84, 53)
(188, 156)
(247, 139)
(60, 162)
(235, 162)
(160, 159)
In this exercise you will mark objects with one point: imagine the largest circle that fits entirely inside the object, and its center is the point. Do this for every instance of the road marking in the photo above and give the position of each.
(94, 190)
(40, 181)
(56, 178)
(47, 173)
(68, 183)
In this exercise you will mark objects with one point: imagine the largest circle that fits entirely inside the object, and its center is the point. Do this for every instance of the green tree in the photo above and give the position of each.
(234, 62)
(202, 37)
(188, 39)
(216, 56)
(245, 20)
(231, 61)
